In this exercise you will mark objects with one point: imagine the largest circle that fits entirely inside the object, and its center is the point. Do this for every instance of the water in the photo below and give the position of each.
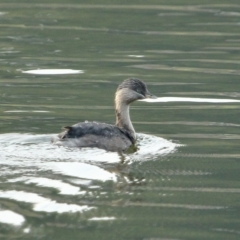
(60, 64)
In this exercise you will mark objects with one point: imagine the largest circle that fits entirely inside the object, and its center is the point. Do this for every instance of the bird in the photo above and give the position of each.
(115, 138)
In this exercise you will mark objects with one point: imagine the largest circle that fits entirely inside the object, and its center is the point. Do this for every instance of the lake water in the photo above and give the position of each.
(61, 62)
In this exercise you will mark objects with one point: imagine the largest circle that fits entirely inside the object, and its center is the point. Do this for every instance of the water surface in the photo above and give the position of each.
(61, 62)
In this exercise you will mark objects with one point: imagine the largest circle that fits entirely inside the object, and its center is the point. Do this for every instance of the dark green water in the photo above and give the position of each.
(190, 190)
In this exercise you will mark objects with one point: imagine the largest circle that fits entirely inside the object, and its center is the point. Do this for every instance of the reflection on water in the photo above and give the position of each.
(63, 188)
(53, 71)
(42, 204)
(10, 217)
(184, 99)
(35, 153)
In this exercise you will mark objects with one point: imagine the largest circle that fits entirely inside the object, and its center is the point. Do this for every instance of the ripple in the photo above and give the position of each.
(151, 147)
(182, 173)
(197, 189)
(136, 56)
(213, 155)
(41, 204)
(184, 99)
(216, 24)
(175, 205)
(208, 61)
(190, 123)
(35, 153)
(184, 52)
(190, 69)
(228, 14)
(24, 111)
(102, 219)
(80, 170)
(227, 230)
(118, 31)
(12, 218)
(53, 71)
(205, 136)
(176, 14)
(224, 48)
(64, 188)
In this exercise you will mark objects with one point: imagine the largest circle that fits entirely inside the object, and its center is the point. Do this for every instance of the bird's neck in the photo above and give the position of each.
(122, 114)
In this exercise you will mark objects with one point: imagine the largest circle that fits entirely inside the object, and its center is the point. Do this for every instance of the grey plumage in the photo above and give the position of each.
(118, 137)
(100, 129)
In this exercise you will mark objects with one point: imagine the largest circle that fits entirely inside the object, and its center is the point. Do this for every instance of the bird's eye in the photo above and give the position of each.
(138, 91)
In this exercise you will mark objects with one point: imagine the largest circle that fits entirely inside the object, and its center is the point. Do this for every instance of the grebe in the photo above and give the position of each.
(118, 137)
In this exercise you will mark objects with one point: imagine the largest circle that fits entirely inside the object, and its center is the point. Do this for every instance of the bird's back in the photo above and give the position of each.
(94, 134)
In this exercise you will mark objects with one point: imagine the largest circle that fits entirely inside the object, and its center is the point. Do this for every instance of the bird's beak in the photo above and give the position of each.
(149, 95)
